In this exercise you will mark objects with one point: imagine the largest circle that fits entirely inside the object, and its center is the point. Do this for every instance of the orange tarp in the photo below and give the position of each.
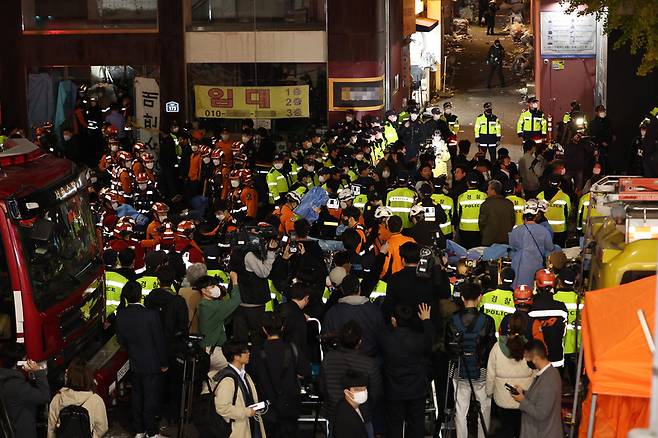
(617, 357)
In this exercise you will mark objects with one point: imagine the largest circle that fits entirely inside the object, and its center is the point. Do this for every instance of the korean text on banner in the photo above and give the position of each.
(147, 110)
(251, 102)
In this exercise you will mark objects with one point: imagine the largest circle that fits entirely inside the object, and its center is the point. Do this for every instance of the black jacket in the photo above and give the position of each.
(407, 361)
(364, 313)
(140, 333)
(347, 423)
(173, 316)
(22, 399)
(168, 158)
(486, 340)
(601, 130)
(294, 327)
(431, 126)
(412, 136)
(549, 324)
(496, 55)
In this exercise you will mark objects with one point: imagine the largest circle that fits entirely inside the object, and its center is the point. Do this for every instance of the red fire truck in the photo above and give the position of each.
(51, 271)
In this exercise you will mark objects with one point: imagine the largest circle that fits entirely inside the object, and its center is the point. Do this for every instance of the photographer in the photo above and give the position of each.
(470, 336)
(253, 271)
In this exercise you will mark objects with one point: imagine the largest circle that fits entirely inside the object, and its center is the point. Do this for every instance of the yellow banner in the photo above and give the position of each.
(251, 102)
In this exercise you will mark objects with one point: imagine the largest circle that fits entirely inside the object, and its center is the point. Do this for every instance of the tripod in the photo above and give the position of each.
(187, 394)
(474, 401)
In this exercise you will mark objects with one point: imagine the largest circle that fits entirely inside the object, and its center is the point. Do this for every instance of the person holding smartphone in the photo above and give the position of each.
(22, 396)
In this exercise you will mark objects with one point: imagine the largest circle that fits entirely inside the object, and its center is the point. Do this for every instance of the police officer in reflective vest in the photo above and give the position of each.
(277, 181)
(468, 213)
(500, 302)
(448, 205)
(567, 295)
(401, 199)
(519, 202)
(391, 127)
(559, 208)
(488, 131)
(585, 211)
(532, 122)
(114, 282)
(451, 119)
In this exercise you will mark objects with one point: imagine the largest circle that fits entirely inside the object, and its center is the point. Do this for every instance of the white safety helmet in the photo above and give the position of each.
(293, 197)
(416, 210)
(345, 195)
(383, 212)
(531, 207)
(542, 205)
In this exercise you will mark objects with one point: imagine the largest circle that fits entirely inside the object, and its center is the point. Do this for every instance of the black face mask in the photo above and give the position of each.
(531, 365)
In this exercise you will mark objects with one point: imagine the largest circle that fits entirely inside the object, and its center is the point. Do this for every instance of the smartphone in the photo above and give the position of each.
(511, 389)
(292, 249)
(285, 239)
(258, 406)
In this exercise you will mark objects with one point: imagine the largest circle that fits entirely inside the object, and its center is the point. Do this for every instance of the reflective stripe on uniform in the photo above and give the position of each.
(471, 203)
(544, 313)
(400, 209)
(400, 199)
(500, 307)
(469, 221)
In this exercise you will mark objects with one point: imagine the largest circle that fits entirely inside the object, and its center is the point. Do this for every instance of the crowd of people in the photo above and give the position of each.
(324, 269)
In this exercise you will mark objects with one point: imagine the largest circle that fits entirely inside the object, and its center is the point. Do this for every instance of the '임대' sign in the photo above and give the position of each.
(251, 102)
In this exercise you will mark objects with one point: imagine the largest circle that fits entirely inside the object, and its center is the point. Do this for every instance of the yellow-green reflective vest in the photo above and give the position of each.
(148, 284)
(114, 282)
(584, 211)
(400, 201)
(379, 290)
(360, 201)
(468, 205)
(447, 204)
(518, 202)
(390, 133)
(570, 299)
(275, 297)
(224, 278)
(497, 304)
(559, 208)
(276, 185)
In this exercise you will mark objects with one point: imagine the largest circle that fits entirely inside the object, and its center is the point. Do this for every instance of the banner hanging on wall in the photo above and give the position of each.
(147, 110)
(251, 102)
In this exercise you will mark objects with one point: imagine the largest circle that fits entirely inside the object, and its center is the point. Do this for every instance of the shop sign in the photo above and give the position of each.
(251, 102)
(172, 107)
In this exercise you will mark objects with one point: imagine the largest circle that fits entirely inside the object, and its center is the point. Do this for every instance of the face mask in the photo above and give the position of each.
(220, 217)
(161, 217)
(531, 365)
(149, 165)
(378, 136)
(114, 148)
(142, 186)
(596, 170)
(93, 179)
(225, 137)
(67, 137)
(360, 397)
(343, 204)
(309, 168)
(413, 117)
(386, 174)
(436, 117)
(359, 157)
(195, 148)
(348, 119)
(322, 178)
(174, 129)
(235, 183)
(447, 111)
(278, 166)
(393, 119)
(245, 139)
(206, 160)
(215, 162)
(602, 114)
(215, 292)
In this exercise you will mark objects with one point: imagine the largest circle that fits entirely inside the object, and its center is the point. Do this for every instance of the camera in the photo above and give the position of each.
(333, 203)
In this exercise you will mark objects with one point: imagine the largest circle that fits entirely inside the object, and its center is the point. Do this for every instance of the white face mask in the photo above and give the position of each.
(114, 148)
(309, 168)
(278, 166)
(162, 217)
(215, 162)
(195, 148)
(343, 204)
(322, 178)
(67, 137)
(220, 217)
(447, 111)
(225, 137)
(206, 160)
(359, 157)
(413, 117)
(436, 117)
(143, 186)
(360, 397)
(393, 119)
(235, 183)
(149, 165)
(115, 205)
(602, 114)
(215, 292)
(348, 119)
(386, 174)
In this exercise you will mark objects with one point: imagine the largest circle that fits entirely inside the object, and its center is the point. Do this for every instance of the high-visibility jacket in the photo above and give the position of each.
(362, 234)
(487, 130)
(584, 211)
(114, 282)
(518, 202)
(400, 201)
(352, 175)
(377, 150)
(287, 220)
(577, 115)
(224, 278)
(360, 201)
(379, 290)
(468, 209)
(393, 261)
(570, 299)
(453, 122)
(390, 132)
(498, 303)
(148, 283)
(531, 123)
(294, 168)
(277, 184)
(558, 211)
(448, 206)
(275, 297)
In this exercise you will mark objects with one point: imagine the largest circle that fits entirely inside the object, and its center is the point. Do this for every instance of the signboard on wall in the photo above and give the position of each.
(361, 94)
(567, 35)
(251, 102)
(147, 110)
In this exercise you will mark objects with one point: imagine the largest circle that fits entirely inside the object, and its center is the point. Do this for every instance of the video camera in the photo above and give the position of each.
(431, 256)
(253, 238)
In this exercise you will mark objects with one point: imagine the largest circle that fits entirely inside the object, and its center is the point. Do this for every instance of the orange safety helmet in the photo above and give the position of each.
(245, 176)
(185, 227)
(544, 278)
(159, 208)
(124, 156)
(239, 158)
(217, 154)
(235, 174)
(523, 295)
(204, 151)
(167, 235)
(122, 229)
(147, 157)
(110, 131)
(137, 148)
(142, 178)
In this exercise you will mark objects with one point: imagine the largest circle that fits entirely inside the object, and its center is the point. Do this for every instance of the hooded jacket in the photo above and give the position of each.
(502, 368)
(93, 403)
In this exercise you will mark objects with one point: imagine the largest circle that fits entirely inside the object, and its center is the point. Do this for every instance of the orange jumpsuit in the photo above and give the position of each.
(195, 167)
(393, 261)
(287, 218)
(249, 197)
(228, 152)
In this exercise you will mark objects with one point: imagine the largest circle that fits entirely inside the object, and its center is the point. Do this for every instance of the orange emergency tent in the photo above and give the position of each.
(617, 357)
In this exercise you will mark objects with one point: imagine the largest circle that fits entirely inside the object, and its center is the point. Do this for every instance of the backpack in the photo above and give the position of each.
(469, 361)
(73, 422)
(284, 405)
(204, 414)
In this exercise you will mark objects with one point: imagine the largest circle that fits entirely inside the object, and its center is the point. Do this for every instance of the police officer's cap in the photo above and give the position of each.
(503, 153)
(440, 182)
(413, 110)
(554, 180)
(507, 276)
(323, 171)
(224, 130)
(390, 113)
(247, 131)
(361, 166)
(447, 105)
(280, 156)
(315, 134)
(294, 147)
(425, 189)
(567, 276)
(331, 133)
(487, 105)
(403, 176)
(508, 189)
(350, 111)
(335, 170)
(303, 173)
(532, 99)
(436, 111)
(473, 178)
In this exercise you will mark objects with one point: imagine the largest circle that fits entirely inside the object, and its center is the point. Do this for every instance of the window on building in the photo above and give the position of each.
(72, 15)
(258, 14)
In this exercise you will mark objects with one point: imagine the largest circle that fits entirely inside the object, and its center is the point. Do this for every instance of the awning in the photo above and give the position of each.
(425, 24)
